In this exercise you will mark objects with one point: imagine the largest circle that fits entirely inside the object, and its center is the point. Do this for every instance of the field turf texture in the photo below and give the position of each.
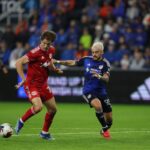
(75, 128)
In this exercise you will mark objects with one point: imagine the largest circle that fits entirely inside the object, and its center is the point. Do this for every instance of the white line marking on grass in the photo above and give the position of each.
(91, 129)
(85, 133)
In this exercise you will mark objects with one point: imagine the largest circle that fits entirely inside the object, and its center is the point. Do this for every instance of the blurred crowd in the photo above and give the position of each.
(122, 25)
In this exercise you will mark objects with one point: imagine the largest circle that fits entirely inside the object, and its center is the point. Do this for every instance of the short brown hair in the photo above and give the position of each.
(49, 35)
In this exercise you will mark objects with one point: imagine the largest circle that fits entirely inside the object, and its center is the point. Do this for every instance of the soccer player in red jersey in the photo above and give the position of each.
(35, 83)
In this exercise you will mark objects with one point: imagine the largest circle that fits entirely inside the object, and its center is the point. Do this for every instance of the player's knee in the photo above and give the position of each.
(54, 110)
(38, 108)
(98, 108)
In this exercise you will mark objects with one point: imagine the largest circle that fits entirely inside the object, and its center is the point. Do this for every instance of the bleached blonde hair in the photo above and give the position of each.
(98, 45)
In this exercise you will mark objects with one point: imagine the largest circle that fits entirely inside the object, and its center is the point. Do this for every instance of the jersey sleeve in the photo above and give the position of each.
(33, 54)
(106, 67)
(52, 50)
(80, 62)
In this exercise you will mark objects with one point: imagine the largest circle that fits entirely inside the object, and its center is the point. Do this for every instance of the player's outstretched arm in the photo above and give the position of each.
(65, 62)
(54, 68)
(19, 67)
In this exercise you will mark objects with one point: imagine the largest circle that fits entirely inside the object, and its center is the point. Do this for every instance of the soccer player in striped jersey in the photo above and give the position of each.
(96, 73)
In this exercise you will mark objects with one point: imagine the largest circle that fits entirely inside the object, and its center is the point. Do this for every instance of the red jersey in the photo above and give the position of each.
(39, 61)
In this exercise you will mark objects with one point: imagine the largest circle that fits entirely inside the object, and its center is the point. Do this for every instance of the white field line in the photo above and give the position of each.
(84, 128)
(87, 133)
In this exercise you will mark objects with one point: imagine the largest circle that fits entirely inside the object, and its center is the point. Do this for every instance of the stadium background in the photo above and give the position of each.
(123, 26)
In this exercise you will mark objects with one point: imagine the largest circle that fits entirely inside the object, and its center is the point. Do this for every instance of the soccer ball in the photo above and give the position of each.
(6, 130)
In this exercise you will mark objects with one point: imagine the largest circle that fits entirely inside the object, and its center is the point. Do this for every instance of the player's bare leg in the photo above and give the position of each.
(36, 107)
(51, 111)
(100, 116)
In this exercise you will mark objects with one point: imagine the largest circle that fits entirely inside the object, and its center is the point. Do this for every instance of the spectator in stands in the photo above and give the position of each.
(34, 39)
(86, 39)
(16, 54)
(114, 34)
(61, 39)
(110, 53)
(119, 9)
(84, 23)
(34, 16)
(9, 37)
(68, 52)
(106, 10)
(106, 39)
(69, 18)
(137, 62)
(132, 10)
(108, 27)
(98, 33)
(81, 52)
(147, 58)
(129, 36)
(120, 52)
(4, 53)
(73, 32)
(33, 26)
(125, 62)
(91, 10)
(22, 32)
(140, 37)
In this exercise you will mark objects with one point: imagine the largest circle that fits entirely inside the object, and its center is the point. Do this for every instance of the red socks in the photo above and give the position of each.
(29, 113)
(48, 121)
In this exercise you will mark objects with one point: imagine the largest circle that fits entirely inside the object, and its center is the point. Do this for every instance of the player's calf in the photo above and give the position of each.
(109, 124)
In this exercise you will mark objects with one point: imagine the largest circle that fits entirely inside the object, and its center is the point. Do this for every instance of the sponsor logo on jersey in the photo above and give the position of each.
(100, 66)
(34, 93)
(46, 64)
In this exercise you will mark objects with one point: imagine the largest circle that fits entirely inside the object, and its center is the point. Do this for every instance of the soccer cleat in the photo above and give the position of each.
(105, 134)
(46, 136)
(18, 127)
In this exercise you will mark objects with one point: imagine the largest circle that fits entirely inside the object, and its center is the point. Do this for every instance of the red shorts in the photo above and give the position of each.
(45, 93)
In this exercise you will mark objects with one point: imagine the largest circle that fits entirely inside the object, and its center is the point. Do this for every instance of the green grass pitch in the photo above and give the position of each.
(75, 128)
